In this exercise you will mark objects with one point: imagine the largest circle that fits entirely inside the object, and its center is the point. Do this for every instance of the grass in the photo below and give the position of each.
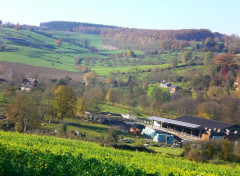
(151, 87)
(105, 71)
(113, 109)
(182, 70)
(167, 150)
(92, 130)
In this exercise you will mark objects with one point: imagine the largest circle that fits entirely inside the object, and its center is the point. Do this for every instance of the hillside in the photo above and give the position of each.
(38, 48)
(49, 155)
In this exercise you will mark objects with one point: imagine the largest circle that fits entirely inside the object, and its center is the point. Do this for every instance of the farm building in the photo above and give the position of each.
(174, 88)
(165, 84)
(3, 81)
(28, 84)
(237, 82)
(171, 87)
(195, 127)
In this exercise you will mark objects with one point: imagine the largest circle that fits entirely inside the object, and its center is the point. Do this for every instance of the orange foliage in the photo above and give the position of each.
(224, 60)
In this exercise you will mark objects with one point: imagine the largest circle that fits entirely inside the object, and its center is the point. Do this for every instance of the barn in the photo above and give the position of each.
(195, 127)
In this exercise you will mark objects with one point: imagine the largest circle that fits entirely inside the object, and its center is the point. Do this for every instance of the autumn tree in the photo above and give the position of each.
(131, 54)
(59, 42)
(224, 60)
(90, 79)
(209, 42)
(23, 111)
(17, 27)
(108, 94)
(211, 110)
(214, 93)
(64, 102)
(81, 107)
(186, 56)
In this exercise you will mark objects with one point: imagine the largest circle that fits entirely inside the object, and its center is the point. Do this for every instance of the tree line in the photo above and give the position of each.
(88, 28)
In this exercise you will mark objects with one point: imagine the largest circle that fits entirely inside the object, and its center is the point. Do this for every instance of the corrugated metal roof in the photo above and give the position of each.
(205, 123)
(174, 122)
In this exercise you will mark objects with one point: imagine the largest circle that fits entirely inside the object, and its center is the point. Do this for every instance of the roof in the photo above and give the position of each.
(205, 123)
(174, 122)
(173, 86)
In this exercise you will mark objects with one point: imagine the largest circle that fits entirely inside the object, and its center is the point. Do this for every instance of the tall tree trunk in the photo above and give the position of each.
(25, 124)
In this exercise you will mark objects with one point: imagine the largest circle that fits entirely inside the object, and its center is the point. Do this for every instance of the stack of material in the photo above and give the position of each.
(170, 139)
(162, 138)
(149, 132)
(217, 137)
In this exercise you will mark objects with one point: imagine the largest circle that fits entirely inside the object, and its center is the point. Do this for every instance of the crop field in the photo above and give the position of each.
(23, 154)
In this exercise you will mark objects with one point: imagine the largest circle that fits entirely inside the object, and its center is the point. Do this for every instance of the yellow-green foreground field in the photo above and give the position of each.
(23, 154)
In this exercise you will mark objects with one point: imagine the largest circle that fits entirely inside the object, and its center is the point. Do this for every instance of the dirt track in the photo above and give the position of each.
(109, 47)
(29, 71)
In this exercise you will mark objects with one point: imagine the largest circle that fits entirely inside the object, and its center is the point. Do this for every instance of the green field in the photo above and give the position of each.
(41, 50)
(92, 130)
(113, 109)
(23, 154)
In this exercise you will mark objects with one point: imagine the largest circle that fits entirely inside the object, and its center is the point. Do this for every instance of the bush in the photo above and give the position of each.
(63, 128)
(111, 138)
(207, 150)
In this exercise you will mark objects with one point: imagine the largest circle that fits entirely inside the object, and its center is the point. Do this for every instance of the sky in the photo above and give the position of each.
(217, 15)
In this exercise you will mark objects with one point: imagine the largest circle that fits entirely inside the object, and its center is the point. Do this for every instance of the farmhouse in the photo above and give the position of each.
(3, 81)
(172, 88)
(165, 84)
(28, 84)
(195, 127)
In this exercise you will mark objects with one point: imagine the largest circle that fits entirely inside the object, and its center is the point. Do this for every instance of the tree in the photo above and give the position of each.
(17, 27)
(90, 79)
(81, 107)
(186, 56)
(108, 94)
(59, 42)
(0, 22)
(211, 110)
(225, 60)
(93, 99)
(112, 137)
(86, 43)
(173, 63)
(131, 54)
(215, 92)
(209, 42)
(23, 111)
(64, 102)
(160, 95)
(208, 58)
